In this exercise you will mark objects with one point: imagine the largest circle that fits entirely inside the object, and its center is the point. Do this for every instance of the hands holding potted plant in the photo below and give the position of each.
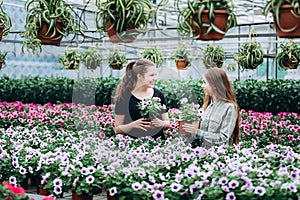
(189, 113)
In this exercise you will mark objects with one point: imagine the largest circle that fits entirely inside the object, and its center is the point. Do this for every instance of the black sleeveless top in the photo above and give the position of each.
(128, 107)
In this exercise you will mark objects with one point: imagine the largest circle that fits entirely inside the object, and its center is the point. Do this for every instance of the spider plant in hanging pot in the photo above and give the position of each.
(289, 55)
(251, 54)
(286, 15)
(91, 58)
(2, 58)
(182, 58)
(117, 60)
(206, 20)
(123, 20)
(5, 22)
(47, 22)
(214, 56)
(70, 59)
(154, 54)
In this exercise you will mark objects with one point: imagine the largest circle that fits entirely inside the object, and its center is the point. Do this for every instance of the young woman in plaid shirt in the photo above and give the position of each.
(220, 120)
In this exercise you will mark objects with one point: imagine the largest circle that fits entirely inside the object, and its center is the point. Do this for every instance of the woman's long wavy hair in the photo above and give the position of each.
(129, 80)
(222, 89)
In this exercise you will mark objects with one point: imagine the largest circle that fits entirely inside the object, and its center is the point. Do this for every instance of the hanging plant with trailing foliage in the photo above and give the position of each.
(251, 54)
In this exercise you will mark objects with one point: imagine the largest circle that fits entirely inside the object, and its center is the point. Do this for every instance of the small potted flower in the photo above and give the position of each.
(2, 58)
(150, 108)
(189, 113)
(85, 181)
(289, 55)
(214, 56)
(116, 60)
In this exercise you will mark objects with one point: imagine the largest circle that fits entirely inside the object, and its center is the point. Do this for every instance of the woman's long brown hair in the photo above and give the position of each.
(222, 90)
(128, 82)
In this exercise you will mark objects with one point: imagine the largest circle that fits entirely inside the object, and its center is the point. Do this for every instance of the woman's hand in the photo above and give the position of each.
(141, 124)
(191, 128)
(158, 123)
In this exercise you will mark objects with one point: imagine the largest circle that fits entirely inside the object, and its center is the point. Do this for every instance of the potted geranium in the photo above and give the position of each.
(47, 22)
(189, 113)
(9, 191)
(91, 58)
(251, 54)
(5, 22)
(286, 14)
(123, 20)
(116, 60)
(154, 54)
(213, 56)
(289, 55)
(70, 59)
(2, 58)
(206, 20)
(182, 58)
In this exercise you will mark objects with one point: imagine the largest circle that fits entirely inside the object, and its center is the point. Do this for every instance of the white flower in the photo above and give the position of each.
(136, 186)
(113, 191)
(184, 101)
(175, 187)
(90, 179)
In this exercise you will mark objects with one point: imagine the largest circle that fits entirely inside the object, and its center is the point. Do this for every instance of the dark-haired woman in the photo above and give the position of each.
(137, 84)
(221, 117)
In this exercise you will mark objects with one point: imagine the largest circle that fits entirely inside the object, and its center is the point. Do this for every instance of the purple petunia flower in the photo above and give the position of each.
(230, 196)
(136, 186)
(175, 187)
(158, 195)
(259, 190)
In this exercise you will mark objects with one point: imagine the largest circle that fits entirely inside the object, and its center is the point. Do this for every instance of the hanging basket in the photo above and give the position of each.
(220, 21)
(48, 39)
(181, 64)
(287, 21)
(1, 31)
(115, 37)
(116, 67)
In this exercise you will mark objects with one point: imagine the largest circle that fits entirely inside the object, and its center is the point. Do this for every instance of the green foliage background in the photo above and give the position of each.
(269, 96)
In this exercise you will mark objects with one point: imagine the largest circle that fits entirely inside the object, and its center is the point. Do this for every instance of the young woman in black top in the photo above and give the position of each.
(137, 84)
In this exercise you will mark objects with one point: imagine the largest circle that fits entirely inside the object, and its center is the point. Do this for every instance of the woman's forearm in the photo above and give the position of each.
(123, 128)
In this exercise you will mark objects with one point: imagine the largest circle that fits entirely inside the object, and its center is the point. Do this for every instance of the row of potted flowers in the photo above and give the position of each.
(147, 168)
(82, 161)
(282, 128)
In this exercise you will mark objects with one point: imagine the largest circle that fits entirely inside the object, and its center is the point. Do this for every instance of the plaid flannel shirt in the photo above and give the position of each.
(217, 124)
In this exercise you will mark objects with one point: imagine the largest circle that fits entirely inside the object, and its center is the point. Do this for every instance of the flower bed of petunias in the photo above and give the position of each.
(73, 148)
